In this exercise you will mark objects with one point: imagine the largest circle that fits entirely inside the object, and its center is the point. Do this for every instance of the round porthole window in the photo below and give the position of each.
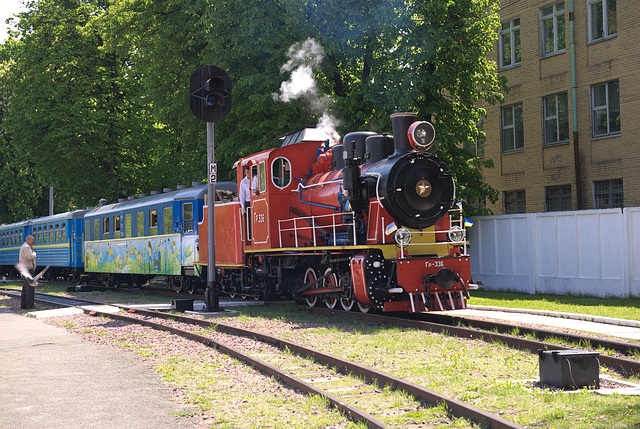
(281, 172)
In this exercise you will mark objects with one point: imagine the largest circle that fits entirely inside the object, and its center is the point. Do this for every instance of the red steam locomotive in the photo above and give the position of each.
(369, 222)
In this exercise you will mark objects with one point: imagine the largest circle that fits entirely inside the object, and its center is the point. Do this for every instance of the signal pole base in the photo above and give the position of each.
(211, 299)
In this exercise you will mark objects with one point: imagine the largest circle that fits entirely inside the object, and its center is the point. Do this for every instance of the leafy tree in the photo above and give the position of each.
(99, 102)
(76, 113)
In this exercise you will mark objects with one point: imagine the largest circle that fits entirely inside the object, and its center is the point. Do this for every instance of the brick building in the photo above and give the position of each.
(566, 137)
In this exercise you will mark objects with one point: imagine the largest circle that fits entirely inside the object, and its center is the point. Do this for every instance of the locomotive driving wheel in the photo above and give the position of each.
(347, 303)
(330, 282)
(310, 276)
(364, 308)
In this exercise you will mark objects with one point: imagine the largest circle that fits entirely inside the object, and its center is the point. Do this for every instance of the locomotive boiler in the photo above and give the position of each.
(369, 222)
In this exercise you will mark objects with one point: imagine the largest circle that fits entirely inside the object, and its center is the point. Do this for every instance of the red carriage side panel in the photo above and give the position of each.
(228, 228)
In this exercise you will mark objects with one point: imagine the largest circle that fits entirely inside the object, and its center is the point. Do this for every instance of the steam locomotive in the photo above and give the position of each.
(367, 223)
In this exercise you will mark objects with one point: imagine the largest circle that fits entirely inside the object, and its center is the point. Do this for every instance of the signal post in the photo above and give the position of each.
(210, 101)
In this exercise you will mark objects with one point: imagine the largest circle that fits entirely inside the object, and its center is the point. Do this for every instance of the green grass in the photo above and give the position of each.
(619, 308)
(488, 375)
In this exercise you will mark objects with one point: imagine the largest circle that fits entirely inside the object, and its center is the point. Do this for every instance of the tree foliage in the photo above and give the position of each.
(95, 92)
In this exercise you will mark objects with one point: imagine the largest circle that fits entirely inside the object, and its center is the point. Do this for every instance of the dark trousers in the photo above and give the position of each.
(247, 219)
(27, 297)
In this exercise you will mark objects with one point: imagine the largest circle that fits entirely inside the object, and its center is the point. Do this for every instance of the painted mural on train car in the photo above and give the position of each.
(156, 255)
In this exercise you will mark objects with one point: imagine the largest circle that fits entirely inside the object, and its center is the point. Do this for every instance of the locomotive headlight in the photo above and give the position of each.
(402, 236)
(421, 135)
(456, 234)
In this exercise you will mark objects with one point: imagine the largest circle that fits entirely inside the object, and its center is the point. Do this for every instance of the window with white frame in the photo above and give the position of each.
(608, 194)
(602, 19)
(605, 108)
(556, 118)
(553, 29)
(477, 147)
(512, 128)
(557, 198)
(514, 202)
(509, 40)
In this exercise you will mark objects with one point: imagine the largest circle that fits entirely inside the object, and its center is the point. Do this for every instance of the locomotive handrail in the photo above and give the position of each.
(302, 187)
(379, 176)
(312, 225)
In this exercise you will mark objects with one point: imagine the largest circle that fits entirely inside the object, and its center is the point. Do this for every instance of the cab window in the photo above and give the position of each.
(281, 172)
(262, 177)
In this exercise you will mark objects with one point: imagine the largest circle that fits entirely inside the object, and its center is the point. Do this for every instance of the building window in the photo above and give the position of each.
(608, 194)
(477, 147)
(553, 29)
(557, 198)
(512, 128)
(514, 202)
(509, 40)
(556, 118)
(602, 19)
(605, 99)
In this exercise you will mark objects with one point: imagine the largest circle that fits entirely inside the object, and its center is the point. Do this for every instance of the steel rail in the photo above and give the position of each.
(620, 346)
(626, 366)
(457, 408)
(353, 412)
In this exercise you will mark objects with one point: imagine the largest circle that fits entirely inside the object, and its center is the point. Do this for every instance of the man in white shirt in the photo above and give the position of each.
(245, 199)
(27, 259)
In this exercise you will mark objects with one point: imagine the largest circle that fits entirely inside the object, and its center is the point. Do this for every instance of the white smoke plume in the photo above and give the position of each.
(304, 59)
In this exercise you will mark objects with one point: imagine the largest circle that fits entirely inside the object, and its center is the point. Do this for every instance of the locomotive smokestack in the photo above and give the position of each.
(400, 123)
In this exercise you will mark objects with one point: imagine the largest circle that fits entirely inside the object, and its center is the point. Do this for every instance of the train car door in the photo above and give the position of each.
(260, 207)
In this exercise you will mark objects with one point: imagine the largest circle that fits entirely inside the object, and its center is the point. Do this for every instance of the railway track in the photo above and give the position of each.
(484, 330)
(277, 359)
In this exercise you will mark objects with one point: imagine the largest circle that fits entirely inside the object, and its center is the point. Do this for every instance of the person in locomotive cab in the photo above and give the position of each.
(245, 198)
(27, 259)
(254, 181)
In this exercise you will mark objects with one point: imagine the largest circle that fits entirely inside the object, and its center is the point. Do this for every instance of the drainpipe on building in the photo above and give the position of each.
(574, 111)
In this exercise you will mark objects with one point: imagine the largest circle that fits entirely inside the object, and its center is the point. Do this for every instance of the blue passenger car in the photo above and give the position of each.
(58, 243)
(11, 238)
(134, 240)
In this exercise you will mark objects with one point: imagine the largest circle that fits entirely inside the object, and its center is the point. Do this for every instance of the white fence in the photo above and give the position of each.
(593, 252)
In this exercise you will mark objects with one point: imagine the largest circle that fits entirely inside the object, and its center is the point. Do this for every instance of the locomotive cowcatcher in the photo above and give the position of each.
(370, 222)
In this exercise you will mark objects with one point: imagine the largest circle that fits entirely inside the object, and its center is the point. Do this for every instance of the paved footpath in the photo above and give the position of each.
(599, 325)
(52, 379)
